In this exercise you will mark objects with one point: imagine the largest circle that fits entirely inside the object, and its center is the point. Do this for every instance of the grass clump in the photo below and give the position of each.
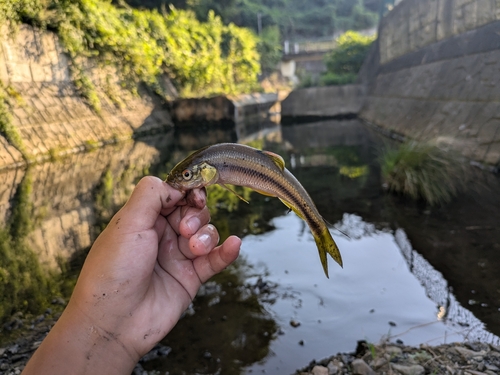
(423, 171)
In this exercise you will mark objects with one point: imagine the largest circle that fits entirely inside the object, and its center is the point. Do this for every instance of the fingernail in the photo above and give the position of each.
(207, 238)
(193, 224)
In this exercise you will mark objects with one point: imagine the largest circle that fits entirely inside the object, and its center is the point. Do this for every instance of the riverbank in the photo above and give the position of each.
(473, 358)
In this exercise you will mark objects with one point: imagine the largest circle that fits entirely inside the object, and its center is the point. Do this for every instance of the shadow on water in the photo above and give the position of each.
(405, 263)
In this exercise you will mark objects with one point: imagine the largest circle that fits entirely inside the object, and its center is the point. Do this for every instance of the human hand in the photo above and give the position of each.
(140, 276)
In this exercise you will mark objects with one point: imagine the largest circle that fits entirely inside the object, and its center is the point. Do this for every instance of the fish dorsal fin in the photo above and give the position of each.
(277, 159)
(232, 191)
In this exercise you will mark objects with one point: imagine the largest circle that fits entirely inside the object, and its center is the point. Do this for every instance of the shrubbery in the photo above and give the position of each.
(345, 61)
(203, 58)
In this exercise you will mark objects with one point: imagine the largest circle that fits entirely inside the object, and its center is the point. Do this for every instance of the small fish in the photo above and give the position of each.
(262, 171)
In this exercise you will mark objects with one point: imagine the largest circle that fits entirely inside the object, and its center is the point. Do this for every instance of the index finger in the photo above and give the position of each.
(150, 198)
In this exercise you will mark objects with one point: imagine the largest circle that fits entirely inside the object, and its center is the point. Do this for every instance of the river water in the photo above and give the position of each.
(411, 272)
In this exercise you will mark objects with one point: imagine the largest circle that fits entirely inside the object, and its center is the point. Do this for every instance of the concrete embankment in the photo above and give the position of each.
(434, 74)
(49, 115)
(322, 102)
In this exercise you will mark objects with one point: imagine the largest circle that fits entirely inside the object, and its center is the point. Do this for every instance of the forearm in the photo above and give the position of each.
(75, 346)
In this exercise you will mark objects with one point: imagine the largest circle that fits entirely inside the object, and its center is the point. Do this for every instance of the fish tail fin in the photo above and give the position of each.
(326, 244)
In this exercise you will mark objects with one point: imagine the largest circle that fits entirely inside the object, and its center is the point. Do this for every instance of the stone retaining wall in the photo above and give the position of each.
(48, 112)
(434, 74)
(330, 101)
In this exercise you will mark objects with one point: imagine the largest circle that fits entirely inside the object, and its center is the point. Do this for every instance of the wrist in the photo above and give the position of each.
(76, 345)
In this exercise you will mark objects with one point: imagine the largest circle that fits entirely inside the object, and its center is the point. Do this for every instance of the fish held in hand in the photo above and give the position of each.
(262, 171)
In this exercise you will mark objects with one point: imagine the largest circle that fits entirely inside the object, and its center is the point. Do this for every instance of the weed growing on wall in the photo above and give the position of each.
(8, 96)
(24, 284)
(423, 171)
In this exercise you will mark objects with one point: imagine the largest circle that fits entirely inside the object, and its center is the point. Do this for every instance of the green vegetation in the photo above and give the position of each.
(7, 98)
(345, 61)
(276, 21)
(295, 19)
(203, 58)
(423, 171)
(24, 284)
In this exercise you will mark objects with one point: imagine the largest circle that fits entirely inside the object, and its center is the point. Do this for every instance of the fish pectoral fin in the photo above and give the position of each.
(292, 208)
(232, 191)
(277, 159)
(208, 173)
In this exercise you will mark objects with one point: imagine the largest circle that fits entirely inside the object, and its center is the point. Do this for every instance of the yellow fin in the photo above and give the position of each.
(232, 191)
(326, 244)
(299, 214)
(208, 173)
(277, 159)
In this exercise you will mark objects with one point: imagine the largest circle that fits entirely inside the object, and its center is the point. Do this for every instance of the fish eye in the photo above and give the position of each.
(187, 174)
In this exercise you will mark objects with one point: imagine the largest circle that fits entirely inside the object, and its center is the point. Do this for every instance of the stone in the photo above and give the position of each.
(319, 370)
(333, 369)
(467, 353)
(408, 370)
(394, 351)
(360, 367)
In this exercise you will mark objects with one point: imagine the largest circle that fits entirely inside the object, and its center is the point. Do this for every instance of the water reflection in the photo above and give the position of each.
(225, 329)
(432, 272)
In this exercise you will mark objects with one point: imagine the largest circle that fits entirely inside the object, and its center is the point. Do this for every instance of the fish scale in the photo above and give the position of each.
(262, 171)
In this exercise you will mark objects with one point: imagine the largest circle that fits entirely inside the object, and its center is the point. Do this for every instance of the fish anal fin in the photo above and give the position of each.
(277, 159)
(291, 207)
(232, 191)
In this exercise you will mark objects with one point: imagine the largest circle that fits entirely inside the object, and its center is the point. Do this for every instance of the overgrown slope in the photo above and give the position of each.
(202, 58)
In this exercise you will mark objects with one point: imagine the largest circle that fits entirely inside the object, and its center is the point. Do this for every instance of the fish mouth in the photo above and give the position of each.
(171, 180)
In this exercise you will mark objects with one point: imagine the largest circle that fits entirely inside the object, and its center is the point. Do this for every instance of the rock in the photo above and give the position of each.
(294, 323)
(360, 367)
(319, 370)
(394, 351)
(468, 354)
(333, 369)
(408, 370)
(492, 368)
(379, 362)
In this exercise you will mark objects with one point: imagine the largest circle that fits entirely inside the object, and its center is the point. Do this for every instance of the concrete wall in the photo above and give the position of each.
(434, 73)
(330, 101)
(49, 113)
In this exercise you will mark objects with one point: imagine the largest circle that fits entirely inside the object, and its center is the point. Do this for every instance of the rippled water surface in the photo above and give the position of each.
(411, 272)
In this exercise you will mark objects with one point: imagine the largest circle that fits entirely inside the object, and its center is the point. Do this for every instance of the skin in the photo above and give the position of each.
(139, 277)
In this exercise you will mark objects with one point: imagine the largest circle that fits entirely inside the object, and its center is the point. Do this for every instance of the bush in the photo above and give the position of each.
(330, 79)
(345, 61)
(203, 58)
(423, 171)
